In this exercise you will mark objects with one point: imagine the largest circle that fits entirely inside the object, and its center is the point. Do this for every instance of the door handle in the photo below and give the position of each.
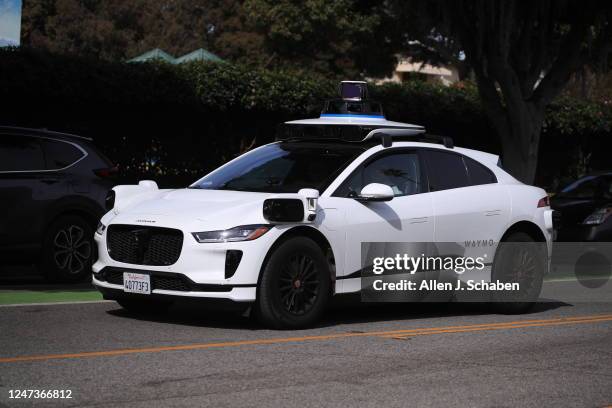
(418, 220)
(491, 213)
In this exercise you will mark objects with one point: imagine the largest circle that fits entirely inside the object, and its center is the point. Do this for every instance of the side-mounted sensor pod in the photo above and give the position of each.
(292, 208)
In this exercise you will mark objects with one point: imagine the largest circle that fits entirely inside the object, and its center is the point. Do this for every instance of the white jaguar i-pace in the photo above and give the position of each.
(280, 228)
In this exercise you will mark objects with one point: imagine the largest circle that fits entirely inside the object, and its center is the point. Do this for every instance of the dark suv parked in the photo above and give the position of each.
(53, 188)
(586, 209)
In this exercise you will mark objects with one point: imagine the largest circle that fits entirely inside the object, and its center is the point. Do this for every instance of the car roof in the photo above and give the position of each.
(23, 131)
(478, 155)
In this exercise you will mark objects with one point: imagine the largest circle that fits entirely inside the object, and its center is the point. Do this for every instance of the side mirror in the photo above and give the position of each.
(376, 192)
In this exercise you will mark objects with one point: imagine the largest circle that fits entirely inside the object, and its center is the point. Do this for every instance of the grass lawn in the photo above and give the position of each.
(19, 296)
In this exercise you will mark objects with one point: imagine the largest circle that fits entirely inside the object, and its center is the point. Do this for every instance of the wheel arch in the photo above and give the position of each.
(79, 206)
(527, 227)
(83, 208)
(79, 212)
(309, 232)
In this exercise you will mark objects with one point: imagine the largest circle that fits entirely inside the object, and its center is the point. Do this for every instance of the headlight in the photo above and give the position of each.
(598, 217)
(101, 228)
(242, 233)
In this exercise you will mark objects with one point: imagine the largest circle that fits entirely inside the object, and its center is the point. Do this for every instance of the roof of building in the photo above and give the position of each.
(422, 68)
(158, 54)
(153, 54)
(198, 55)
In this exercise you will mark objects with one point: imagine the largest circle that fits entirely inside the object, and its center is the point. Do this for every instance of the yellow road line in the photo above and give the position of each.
(558, 319)
(385, 334)
(497, 327)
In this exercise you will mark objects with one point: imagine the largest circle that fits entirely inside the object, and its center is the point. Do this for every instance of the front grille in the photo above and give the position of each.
(169, 283)
(144, 245)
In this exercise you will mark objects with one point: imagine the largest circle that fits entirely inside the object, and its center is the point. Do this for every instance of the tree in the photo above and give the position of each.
(421, 42)
(343, 37)
(118, 29)
(79, 27)
(589, 84)
(522, 54)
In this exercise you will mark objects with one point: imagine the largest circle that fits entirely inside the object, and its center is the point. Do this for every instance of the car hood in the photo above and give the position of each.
(196, 208)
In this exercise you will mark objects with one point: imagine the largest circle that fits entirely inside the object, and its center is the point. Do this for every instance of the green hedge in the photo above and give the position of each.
(174, 123)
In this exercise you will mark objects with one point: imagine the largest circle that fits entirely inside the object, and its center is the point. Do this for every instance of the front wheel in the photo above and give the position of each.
(295, 285)
(519, 259)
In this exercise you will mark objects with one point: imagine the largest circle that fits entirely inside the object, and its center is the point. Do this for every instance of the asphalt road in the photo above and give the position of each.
(392, 355)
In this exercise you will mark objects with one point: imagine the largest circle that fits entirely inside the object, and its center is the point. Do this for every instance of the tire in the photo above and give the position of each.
(68, 249)
(520, 259)
(294, 289)
(145, 306)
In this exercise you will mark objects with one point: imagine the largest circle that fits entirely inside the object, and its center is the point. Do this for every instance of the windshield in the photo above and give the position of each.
(283, 168)
(589, 187)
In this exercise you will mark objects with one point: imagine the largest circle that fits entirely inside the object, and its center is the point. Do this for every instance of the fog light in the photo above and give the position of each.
(232, 260)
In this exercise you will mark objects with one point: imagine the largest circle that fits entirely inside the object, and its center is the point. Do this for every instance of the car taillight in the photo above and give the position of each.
(544, 202)
(107, 172)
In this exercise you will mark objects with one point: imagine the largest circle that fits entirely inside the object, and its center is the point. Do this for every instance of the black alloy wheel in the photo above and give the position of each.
(68, 249)
(299, 284)
(72, 250)
(295, 285)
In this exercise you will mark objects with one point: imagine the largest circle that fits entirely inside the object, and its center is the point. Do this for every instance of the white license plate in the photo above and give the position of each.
(136, 283)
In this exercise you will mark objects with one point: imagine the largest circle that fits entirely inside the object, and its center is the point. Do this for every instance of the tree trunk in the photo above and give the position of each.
(523, 54)
(519, 135)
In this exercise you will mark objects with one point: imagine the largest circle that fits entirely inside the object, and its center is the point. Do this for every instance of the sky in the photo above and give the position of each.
(10, 20)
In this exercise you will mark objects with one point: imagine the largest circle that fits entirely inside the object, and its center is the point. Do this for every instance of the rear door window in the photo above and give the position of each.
(478, 173)
(21, 153)
(60, 154)
(446, 170)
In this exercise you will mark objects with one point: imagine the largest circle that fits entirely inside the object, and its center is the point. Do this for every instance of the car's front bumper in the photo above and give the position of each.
(109, 282)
